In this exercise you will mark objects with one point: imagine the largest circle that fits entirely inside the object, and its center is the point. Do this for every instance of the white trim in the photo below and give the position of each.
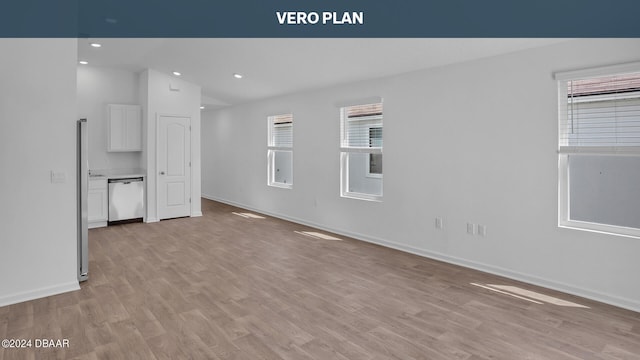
(196, 213)
(155, 176)
(625, 303)
(280, 148)
(39, 293)
(280, 185)
(361, 150)
(600, 228)
(361, 196)
(597, 71)
(563, 189)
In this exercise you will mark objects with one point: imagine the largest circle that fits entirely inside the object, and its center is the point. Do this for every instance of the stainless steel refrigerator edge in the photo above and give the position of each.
(83, 191)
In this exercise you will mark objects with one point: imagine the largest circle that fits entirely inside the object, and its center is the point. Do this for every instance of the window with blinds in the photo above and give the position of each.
(361, 143)
(599, 149)
(600, 114)
(280, 151)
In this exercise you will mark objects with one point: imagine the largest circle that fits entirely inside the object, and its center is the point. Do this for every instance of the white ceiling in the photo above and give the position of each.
(274, 67)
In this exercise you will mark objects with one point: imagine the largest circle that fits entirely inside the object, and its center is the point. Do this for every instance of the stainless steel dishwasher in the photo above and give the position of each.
(126, 199)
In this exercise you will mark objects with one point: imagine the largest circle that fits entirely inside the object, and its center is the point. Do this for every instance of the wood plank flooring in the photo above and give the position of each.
(228, 287)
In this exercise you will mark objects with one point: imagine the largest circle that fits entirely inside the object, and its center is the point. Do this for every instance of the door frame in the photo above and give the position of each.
(157, 178)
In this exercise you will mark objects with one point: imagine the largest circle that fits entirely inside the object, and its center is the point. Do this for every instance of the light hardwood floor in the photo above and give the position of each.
(227, 287)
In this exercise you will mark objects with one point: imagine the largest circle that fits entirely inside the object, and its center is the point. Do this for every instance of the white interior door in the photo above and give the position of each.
(174, 167)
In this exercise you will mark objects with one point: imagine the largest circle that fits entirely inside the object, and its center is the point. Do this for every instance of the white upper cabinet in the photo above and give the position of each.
(125, 128)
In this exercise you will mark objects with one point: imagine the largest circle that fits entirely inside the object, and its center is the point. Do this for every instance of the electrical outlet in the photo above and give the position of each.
(438, 223)
(58, 177)
(471, 229)
(482, 230)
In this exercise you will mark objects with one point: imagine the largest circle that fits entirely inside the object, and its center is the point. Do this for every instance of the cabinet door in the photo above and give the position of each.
(134, 129)
(125, 128)
(117, 128)
(97, 206)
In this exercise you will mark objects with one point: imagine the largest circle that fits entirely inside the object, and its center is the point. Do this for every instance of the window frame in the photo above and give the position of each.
(369, 174)
(346, 150)
(272, 149)
(565, 151)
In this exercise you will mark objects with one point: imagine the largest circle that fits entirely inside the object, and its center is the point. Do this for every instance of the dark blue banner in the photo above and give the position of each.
(319, 18)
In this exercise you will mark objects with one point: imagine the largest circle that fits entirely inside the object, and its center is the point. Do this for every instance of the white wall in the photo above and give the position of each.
(97, 87)
(38, 235)
(158, 99)
(472, 142)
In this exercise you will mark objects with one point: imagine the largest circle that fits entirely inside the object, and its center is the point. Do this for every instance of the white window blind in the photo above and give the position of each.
(356, 125)
(281, 131)
(600, 114)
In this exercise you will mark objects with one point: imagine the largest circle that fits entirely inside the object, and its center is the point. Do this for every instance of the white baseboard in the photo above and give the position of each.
(39, 293)
(196, 214)
(151, 220)
(629, 304)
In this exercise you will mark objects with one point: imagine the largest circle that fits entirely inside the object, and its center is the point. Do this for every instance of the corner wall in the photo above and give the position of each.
(471, 142)
(38, 218)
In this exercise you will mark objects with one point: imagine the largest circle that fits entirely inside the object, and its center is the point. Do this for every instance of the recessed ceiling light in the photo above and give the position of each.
(201, 107)
(176, 73)
(96, 45)
(83, 62)
(237, 76)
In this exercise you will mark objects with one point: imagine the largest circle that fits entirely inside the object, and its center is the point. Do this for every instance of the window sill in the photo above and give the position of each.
(281, 185)
(601, 228)
(362, 196)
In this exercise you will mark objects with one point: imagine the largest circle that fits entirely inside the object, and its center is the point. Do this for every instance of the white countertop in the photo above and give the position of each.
(116, 173)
